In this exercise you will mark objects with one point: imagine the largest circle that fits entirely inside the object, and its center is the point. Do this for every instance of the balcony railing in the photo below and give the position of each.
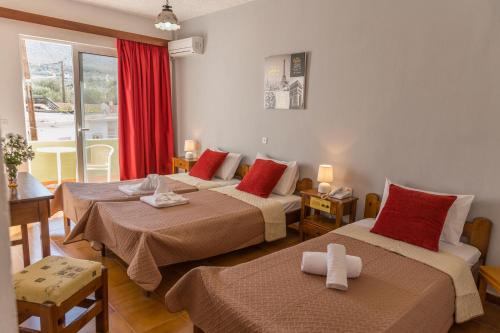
(44, 165)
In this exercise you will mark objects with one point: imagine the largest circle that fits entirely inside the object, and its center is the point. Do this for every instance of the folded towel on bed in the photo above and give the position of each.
(162, 186)
(315, 263)
(147, 186)
(336, 276)
(164, 200)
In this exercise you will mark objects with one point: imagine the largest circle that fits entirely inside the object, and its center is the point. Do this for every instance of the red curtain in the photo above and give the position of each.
(146, 137)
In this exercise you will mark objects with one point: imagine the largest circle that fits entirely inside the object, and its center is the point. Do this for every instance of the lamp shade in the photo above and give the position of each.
(325, 173)
(189, 145)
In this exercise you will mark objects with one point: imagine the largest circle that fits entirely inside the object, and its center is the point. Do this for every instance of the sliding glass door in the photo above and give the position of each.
(71, 108)
(97, 114)
(50, 108)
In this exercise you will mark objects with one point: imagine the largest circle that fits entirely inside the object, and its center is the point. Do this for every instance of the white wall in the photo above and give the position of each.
(399, 88)
(11, 89)
(8, 321)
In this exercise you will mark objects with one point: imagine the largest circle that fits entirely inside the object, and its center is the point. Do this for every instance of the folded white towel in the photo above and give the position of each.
(162, 186)
(164, 200)
(315, 263)
(336, 276)
(147, 186)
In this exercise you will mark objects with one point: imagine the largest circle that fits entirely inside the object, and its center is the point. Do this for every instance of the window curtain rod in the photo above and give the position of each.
(19, 15)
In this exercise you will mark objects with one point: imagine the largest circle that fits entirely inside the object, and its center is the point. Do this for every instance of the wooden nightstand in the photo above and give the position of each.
(182, 163)
(320, 216)
(488, 275)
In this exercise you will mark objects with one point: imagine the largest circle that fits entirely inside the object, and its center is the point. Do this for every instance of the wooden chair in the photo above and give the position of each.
(52, 303)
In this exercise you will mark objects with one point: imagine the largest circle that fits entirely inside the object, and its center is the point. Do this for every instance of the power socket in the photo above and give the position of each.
(265, 140)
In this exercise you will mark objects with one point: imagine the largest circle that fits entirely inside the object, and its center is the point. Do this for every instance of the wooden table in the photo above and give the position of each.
(319, 216)
(183, 163)
(30, 203)
(488, 275)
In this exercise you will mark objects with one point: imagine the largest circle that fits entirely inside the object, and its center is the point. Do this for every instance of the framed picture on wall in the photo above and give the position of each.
(285, 82)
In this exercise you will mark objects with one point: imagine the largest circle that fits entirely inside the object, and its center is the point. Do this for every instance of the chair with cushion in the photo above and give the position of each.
(53, 286)
(99, 158)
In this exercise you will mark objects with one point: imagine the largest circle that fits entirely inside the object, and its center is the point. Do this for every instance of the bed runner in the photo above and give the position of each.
(193, 181)
(272, 211)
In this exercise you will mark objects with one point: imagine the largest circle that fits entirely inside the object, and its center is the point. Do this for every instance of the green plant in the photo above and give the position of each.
(16, 149)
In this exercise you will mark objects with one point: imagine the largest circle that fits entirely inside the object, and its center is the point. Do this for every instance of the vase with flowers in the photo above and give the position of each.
(16, 151)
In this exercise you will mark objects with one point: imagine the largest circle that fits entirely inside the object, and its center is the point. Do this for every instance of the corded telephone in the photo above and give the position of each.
(339, 192)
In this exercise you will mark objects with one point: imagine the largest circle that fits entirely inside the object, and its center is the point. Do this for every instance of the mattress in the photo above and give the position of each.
(467, 252)
(291, 203)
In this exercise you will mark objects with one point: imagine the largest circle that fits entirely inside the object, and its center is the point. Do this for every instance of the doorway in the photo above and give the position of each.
(71, 108)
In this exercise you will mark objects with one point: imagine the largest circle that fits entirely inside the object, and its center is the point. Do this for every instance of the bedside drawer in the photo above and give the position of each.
(313, 231)
(182, 164)
(320, 204)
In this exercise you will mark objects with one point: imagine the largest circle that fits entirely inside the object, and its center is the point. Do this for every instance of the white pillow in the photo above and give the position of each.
(288, 180)
(228, 168)
(455, 220)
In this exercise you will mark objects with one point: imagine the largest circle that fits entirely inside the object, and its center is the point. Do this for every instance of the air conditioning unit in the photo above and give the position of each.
(186, 47)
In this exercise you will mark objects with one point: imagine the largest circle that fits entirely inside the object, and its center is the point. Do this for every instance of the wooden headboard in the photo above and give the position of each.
(242, 170)
(303, 184)
(476, 232)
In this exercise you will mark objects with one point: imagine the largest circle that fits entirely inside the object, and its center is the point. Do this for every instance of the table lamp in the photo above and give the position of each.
(189, 148)
(325, 176)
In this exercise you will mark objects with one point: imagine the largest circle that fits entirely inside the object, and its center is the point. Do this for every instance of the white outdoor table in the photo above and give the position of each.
(58, 151)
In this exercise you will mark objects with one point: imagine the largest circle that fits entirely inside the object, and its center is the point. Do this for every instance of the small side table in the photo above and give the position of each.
(182, 163)
(319, 216)
(30, 203)
(488, 275)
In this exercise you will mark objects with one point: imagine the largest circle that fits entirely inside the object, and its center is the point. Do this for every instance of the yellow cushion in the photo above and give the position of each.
(54, 279)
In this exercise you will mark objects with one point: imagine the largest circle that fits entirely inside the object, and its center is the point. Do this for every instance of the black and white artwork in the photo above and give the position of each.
(284, 82)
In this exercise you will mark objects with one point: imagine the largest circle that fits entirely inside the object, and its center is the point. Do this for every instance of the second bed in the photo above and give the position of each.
(214, 222)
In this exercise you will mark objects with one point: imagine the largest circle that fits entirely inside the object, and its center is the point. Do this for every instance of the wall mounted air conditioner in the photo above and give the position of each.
(185, 47)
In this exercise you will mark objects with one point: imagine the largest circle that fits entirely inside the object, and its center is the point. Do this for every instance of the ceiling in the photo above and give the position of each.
(184, 9)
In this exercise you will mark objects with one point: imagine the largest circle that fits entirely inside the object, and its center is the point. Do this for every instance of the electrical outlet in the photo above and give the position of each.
(265, 140)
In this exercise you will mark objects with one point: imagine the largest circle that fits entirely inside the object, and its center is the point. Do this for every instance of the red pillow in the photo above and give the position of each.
(414, 217)
(262, 177)
(207, 164)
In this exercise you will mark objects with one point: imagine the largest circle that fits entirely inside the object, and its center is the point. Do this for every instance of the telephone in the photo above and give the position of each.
(339, 192)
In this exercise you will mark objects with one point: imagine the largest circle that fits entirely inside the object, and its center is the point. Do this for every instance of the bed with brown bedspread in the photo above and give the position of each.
(271, 294)
(77, 199)
(147, 238)
(393, 294)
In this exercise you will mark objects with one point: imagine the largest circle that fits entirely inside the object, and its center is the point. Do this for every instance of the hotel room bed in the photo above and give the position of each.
(272, 294)
(77, 199)
(214, 222)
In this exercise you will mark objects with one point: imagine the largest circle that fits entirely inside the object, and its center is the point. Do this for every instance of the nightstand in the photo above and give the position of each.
(320, 216)
(182, 163)
(488, 275)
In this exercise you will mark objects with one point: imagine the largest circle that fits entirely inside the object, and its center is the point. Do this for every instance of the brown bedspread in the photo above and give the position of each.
(77, 199)
(271, 294)
(146, 238)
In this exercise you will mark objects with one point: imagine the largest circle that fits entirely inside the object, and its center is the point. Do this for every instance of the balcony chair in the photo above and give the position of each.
(99, 158)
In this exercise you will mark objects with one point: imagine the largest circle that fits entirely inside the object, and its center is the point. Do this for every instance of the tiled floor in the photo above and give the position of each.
(131, 311)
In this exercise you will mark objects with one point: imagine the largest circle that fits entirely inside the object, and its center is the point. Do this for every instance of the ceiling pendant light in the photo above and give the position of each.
(167, 20)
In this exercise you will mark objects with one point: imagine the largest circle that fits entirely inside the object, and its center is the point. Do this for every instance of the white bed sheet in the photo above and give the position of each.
(290, 203)
(218, 181)
(223, 182)
(467, 252)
